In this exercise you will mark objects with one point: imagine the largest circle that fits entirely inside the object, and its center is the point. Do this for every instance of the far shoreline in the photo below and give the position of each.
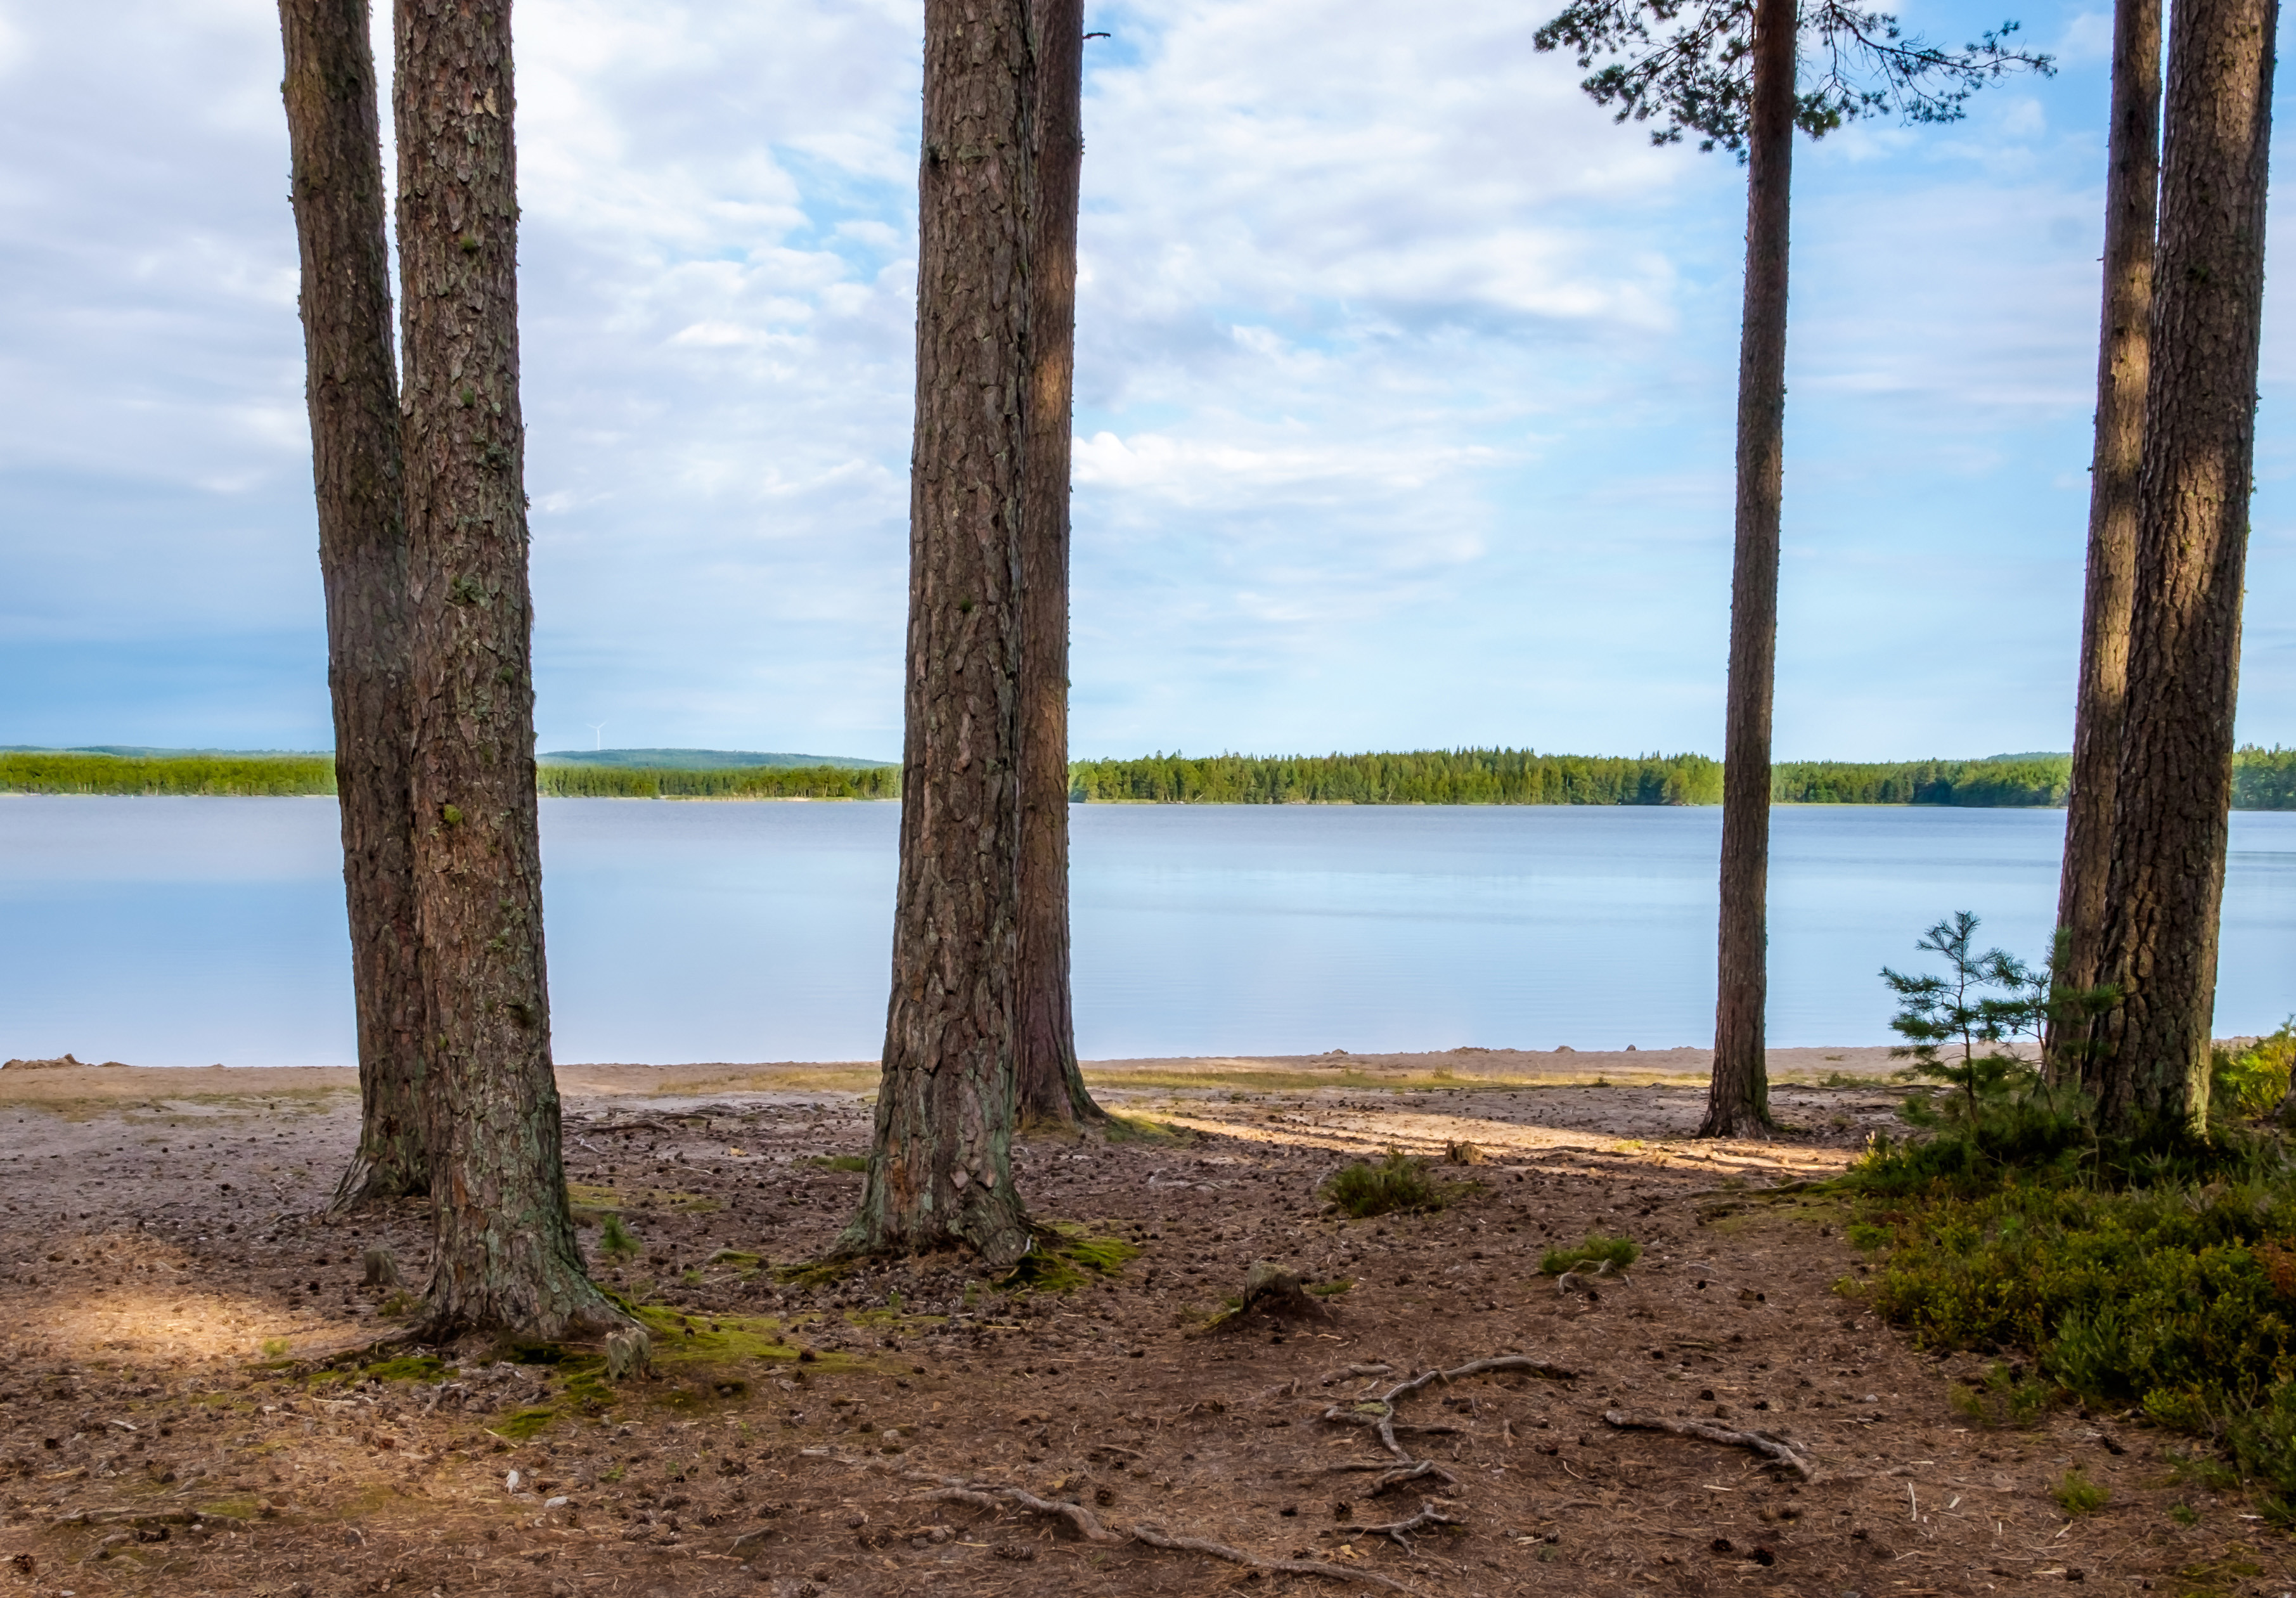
(29, 1082)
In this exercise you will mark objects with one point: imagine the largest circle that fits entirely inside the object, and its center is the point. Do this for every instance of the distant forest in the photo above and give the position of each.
(243, 776)
(2263, 779)
(729, 782)
(1467, 777)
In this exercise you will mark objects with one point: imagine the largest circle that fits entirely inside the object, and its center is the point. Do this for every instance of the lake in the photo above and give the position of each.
(189, 931)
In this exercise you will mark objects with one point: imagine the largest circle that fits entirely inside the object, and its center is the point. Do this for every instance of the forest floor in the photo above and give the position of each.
(184, 1408)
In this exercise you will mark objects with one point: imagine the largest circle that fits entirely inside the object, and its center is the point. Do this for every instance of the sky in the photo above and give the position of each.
(1404, 397)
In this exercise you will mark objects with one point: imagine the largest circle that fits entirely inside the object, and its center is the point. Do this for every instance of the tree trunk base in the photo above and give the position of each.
(992, 1226)
(368, 1180)
(564, 1311)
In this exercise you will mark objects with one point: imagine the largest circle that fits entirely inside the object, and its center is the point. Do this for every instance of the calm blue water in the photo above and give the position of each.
(187, 931)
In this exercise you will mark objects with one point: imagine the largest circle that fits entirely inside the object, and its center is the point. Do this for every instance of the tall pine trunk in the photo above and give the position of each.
(2131, 211)
(940, 1169)
(1051, 1086)
(1738, 1100)
(351, 385)
(2173, 787)
(505, 1257)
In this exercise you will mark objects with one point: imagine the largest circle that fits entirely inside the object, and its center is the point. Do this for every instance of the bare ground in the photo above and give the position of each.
(176, 1414)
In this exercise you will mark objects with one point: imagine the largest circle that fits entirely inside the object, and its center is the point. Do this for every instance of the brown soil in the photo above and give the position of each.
(181, 1410)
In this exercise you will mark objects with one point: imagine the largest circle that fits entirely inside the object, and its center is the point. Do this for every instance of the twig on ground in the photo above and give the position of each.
(1761, 1443)
(1399, 1532)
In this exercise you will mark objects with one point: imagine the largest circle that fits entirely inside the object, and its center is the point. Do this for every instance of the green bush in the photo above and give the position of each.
(2178, 1298)
(1597, 1250)
(2247, 1083)
(2077, 1494)
(1397, 1184)
(2004, 1396)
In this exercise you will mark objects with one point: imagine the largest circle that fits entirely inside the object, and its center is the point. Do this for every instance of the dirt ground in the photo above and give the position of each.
(182, 1410)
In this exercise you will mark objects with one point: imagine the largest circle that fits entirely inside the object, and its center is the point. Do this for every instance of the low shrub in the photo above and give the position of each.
(2077, 1494)
(1618, 1252)
(1396, 1184)
(2175, 1299)
(2245, 1085)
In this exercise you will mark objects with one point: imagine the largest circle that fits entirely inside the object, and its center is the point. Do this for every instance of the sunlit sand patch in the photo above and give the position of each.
(1426, 1133)
(166, 1321)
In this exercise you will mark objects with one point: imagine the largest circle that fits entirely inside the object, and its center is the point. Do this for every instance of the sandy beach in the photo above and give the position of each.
(201, 1396)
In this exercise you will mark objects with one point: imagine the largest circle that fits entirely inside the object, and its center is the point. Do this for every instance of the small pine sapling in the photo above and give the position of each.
(616, 1241)
(1936, 1012)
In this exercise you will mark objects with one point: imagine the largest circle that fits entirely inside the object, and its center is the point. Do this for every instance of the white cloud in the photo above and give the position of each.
(1404, 386)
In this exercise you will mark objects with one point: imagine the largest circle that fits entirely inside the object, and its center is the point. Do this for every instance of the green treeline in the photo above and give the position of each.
(1466, 776)
(734, 783)
(244, 775)
(2026, 780)
(2263, 779)
(217, 775)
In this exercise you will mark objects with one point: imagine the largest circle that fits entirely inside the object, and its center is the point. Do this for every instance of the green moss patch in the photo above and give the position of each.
(680, 1339)
(1065, 1255)
(815, 1273)
(411, 1367)
(837, 1162)
(524, 1424)
(1139, 1129)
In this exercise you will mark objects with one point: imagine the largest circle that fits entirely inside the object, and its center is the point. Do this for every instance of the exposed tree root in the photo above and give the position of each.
(1157, 1537)
(1399, 1532)
(996, 1495)
(1777, 1191)
(1761, 1442)
(1378, 1414)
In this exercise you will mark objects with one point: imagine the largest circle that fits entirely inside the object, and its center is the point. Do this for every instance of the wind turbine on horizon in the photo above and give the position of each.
(597, 735)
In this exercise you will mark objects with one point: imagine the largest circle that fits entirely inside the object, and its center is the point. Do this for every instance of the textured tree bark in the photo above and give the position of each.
(2173, 787)
(939, 1171)
(1738, 1099)
(351, 385)
(1051, 1087)
(2131, 211)
(505, 1257)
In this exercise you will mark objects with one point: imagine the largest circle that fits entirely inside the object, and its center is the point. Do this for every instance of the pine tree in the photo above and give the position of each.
(1731, 71)
(2165, 893)
(505, 1256)
(1051, 1086)
(351, 386)
(2131, 213)
(939, 1166)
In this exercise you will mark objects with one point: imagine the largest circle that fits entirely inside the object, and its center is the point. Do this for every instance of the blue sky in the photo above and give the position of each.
(1404, 393)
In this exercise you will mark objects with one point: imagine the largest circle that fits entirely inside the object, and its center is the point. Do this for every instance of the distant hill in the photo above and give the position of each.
(136, 751)
(697, 759)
